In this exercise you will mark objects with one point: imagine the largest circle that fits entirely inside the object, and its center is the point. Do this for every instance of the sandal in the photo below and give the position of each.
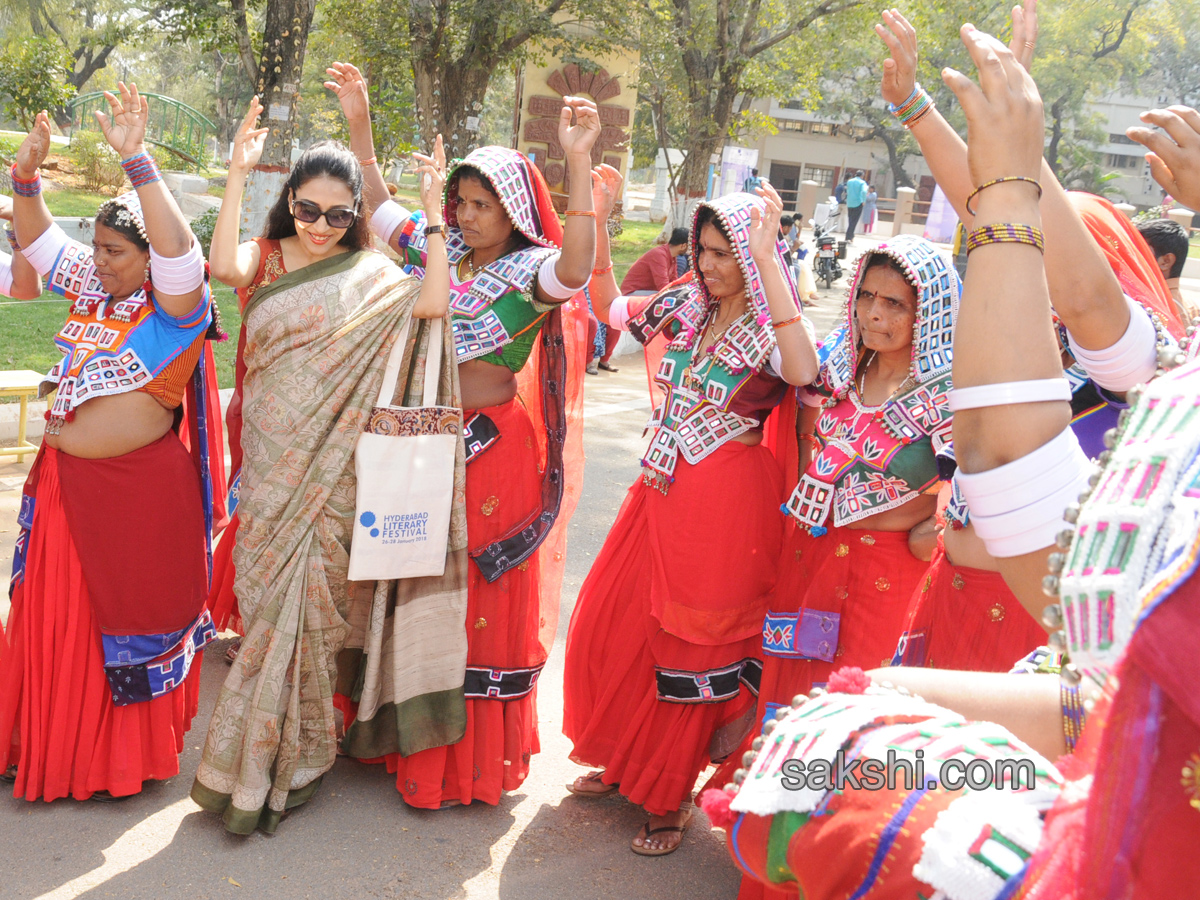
(591, 778)
(647, 832)
(9, 775)
(106, 797)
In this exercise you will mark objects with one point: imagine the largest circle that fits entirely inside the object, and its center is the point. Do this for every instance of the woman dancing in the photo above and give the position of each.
(512, 292)
(321, 314)
(662, 655)
(100, 680)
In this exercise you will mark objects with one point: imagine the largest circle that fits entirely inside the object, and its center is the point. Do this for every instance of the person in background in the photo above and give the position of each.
(839, 194)
(752, 182)
(869, 209)
(789, 233)
(1169, 241)
(856, 195)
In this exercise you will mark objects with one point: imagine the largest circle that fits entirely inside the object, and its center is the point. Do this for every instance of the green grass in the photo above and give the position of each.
(74, 203)
(634, 240)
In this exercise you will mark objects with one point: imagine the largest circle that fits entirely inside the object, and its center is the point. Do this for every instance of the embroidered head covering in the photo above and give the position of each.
(522, 190)
(938, 293)
(733, 212)
(1129, 257)
(875, 459)
(128, 212)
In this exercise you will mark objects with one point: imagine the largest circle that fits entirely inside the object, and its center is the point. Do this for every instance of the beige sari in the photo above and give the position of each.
(317, 343)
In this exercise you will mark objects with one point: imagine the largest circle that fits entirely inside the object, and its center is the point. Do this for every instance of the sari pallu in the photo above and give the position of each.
(317, 344)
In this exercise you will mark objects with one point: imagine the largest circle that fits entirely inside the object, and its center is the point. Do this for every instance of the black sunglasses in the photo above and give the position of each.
(308, 212)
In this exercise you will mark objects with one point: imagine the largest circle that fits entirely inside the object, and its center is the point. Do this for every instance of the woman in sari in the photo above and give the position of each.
(520, 339)
(317, 339)
(662, 654)
(100, 678)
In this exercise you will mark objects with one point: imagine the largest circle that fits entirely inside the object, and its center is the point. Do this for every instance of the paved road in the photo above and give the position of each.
(357, 839)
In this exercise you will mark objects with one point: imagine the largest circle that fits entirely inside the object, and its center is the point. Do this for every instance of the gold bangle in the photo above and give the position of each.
(582, 212)
(1008, 179)
(786, 322)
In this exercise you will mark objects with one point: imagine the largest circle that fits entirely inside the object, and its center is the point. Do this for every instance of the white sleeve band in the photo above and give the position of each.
(775, 363)
(1131, 361)
(618, 313)
(387, 218)
(1005, 393)
(43, 253)
(6, 275)
(547, 279)
(1018, 507)
(177, 275)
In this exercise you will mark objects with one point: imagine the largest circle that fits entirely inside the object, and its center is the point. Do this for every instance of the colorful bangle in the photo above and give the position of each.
(812, 439)
(1006, 233)
(786, 322)
(12, 238)
(369, 161)
(582, 212)
(141, 170)
(1008, 179)
(25, 187)
(1073, 714)
(915, 108)
(603, 271)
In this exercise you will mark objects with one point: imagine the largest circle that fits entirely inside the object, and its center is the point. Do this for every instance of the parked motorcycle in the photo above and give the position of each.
(829, 250)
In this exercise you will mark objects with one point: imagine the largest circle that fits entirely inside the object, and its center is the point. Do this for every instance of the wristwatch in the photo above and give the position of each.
(435, 229)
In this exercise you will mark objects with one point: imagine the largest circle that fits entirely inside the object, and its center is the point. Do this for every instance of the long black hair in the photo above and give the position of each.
(330, 158)
(113, 215)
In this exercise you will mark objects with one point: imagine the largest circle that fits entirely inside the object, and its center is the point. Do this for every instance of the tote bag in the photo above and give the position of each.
(404, 462)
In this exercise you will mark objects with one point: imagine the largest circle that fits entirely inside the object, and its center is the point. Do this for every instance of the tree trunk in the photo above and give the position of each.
(1056, 134)
(446, 95)
(895, 160)
(285, 37)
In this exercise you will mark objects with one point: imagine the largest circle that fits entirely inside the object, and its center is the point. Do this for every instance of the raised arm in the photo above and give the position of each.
(351, 88)
(176, 264)
(31, 216)
(434, 299)
(574, 265)
(799, 356)
(606, 189)
(231, 261)
(1020, 463)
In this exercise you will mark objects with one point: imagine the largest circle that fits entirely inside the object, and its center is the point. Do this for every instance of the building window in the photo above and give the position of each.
(791, 125)
(1120, 139)
(791, 104)
(822, 128)
(1119, 161)
(820, 174)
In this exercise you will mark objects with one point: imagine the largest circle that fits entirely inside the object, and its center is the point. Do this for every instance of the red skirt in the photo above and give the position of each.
(866, 578)
(503, 487)
(65, 734)
(644, 704)
(966, 619)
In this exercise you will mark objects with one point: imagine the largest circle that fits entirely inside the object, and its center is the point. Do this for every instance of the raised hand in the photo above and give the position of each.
(899, 69)
(249, 140)
(431, 179)
(1024, 33)
(578, 139)
(606, 190)
(35, 148)
(1174, 157)
(125, 126)
(6, 212)
(351, 89)
(764, 225)
(1005, 127)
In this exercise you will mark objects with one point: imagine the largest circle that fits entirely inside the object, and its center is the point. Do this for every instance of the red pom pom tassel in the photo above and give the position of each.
(715, 804)
(848, 680)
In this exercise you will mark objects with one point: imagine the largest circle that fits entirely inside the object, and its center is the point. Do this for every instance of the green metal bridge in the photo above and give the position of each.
(174, 126)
